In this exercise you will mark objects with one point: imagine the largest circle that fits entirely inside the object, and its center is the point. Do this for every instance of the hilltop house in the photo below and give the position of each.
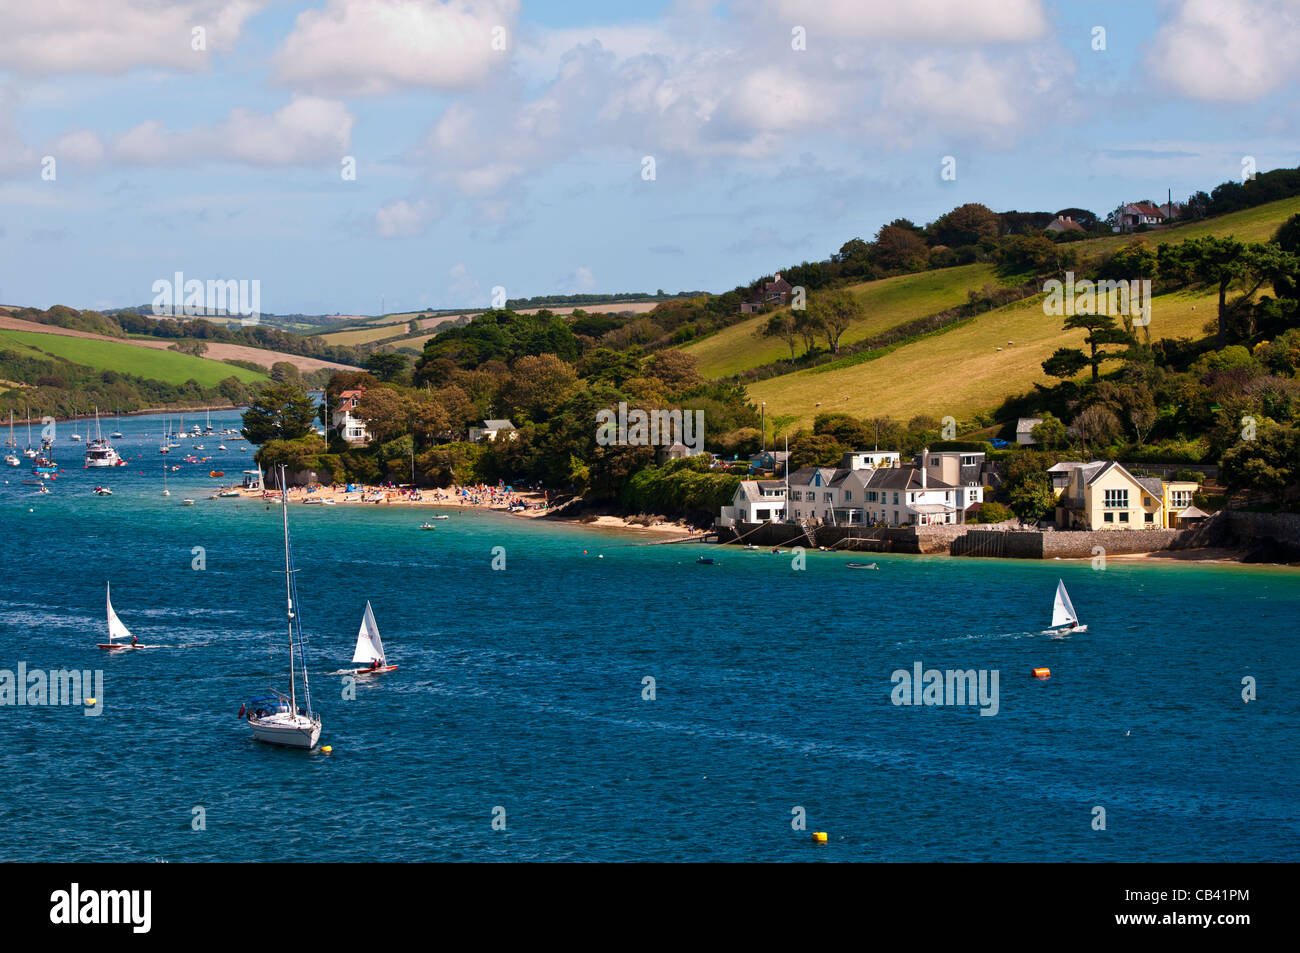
(755, 501)
(777, 291)
(490, 429)
(344, 421)
(1140, 213)
(1063, 223)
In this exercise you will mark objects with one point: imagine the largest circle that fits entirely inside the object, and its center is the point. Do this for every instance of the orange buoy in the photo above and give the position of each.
(1041, 673)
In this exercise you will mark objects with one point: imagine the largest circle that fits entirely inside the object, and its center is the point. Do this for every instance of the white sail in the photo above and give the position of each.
(1062, 609)
(116, 630)
(369, 648)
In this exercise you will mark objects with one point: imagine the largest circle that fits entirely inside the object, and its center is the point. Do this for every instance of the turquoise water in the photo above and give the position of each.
(522, 689)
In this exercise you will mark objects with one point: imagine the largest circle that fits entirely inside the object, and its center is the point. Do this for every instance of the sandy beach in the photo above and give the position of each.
(534, 503)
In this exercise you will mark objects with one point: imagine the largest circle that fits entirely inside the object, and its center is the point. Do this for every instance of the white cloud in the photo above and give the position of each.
(932, 22)
(579, 280)
(372, 46)
(91, 36)
(404, 218)
(305, 131)
(1227, 50)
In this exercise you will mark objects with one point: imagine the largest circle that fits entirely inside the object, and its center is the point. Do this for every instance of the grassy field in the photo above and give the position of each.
(962, 370)
(169, 366)
(885, 303)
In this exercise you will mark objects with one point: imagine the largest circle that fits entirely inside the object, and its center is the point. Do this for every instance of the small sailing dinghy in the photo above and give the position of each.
(1064, 619)
(119, 636)
(276, 719)
(863, 566)
(370, 650)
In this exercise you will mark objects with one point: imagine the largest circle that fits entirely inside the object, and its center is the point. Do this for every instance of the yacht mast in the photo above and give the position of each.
(288, 590)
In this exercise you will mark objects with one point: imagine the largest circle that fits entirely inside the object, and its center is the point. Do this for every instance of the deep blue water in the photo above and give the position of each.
(523, 689)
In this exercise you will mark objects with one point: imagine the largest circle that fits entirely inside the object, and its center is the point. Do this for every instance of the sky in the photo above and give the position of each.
(353, 155)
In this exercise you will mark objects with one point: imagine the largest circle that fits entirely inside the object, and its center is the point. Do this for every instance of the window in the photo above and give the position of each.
(1109, 517)
(796, 495)
(1180, 499)
(1123, 516)
(934, 461)
(1146, 501)
(848, 495)
(827, 497)
(895, 501)
(1150, 517)
(969, 461)
(1115, 499)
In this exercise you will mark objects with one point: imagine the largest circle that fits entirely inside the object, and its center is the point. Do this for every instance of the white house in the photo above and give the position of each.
(756, 501)
(887, 494)
(344, 420)
(1025, 430)
(869, 459)
(490, 429)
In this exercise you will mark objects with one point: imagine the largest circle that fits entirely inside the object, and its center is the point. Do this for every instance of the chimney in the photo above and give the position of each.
(925, 455)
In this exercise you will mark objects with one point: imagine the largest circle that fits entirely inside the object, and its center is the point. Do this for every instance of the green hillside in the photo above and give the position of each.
(168, 366)
(885, 303)
(961, 371)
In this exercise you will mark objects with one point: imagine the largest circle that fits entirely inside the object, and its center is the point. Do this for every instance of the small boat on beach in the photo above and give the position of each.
(1064, 619)
(119, 636)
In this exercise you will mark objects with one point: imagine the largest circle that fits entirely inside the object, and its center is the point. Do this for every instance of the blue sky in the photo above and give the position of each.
(522, 166)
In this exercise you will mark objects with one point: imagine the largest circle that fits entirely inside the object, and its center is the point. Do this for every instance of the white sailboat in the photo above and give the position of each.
(166, 492)
(276, 718)
(11, 459)
(1064, 619)
(75, 436)
(30, 453)
(119, 636)
(370, 650)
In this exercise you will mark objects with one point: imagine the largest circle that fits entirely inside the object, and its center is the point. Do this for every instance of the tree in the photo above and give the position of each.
(387, 412)
(1032, 499)
(964, 225)
(897, 248)
(539, 385)
(676, 369)
(281, 411)
(387, 367)
(815, 450)
(284, 371)
(1268, 464)
(1065, 362)
(808, 325)
(833, 312)
(1101, 330)
(847, 430)
(782, 325)
(1221, 261)
(1050, 434)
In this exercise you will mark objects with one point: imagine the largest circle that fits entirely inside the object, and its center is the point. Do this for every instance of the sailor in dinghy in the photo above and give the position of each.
(1065, 620)
(370, 649)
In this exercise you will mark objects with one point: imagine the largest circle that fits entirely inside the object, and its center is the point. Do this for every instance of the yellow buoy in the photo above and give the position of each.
(820, 837)
(1041, 673)
(327, 748)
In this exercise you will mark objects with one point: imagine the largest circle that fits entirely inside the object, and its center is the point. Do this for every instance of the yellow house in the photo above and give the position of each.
(1178, 497)
(1106, 496)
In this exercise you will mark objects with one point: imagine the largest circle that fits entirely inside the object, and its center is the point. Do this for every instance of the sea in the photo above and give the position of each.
(569, 694)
